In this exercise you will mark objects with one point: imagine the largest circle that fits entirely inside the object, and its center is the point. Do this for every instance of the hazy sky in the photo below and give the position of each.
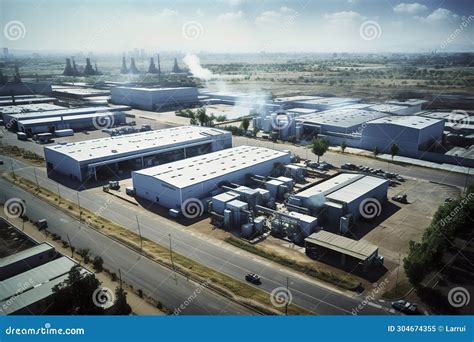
(238, 25)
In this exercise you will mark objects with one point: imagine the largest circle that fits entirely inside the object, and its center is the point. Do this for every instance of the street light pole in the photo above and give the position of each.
(140, 234)
(171, 255)
(79, 204)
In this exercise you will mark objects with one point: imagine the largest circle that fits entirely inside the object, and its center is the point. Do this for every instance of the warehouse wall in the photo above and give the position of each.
(60, 163)
(169, 196)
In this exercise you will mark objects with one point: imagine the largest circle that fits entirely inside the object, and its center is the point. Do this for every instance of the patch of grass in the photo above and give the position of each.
(217, 281)
(344, 281)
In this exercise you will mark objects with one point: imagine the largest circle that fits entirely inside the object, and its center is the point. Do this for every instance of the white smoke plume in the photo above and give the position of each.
(194, 65)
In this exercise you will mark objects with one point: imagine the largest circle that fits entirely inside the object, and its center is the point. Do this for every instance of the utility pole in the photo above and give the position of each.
(79, 204)
(288, 294)
(171, 255)
(59, 194)
(36, 178)
(13, 169)
(467, 178)
(70, 245)
(140, 233)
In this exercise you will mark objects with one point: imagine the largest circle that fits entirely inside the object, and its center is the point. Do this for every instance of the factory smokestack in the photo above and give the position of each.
(124, 69)
(74, 67)
(152, 68)
(133, 67)
(88, 71)
(68, 71)
(16, 76)
(176, 68)
(159, 67)
(3, 79)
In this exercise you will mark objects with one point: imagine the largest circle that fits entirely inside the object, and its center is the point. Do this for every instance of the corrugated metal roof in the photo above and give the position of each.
(342, 117)
(41, 248)
(184, 173)
(358, 249)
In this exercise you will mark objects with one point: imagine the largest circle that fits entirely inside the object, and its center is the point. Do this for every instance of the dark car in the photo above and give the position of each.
(253, 278)
(348, 166)
(405, 307)
(1, 162)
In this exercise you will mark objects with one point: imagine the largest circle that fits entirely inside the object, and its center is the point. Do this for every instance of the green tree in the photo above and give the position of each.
(245, 124)
(394, 150)
(98, 263)
(320, 146)
(202, 117)
(376, 151)
(75, 295)
(343, 146)
(121, 307)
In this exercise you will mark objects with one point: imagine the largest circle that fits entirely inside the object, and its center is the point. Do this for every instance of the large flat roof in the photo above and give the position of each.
(24, 108)
(330, 101)
(408, 102)
(68, 111)
(187, 172)
(409, 121)
(342, 117)
(388, 108)
(358, 249)
(24, 254)
(345, 187)
(126, 144)
(35, 276)
(67, 118)
(152, 89)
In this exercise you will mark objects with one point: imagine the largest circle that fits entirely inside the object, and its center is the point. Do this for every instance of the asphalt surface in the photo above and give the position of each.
(232, 261)
(161, 283)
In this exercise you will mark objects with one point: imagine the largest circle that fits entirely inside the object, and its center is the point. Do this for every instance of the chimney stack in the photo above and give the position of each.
(124, 69)
(133, 67)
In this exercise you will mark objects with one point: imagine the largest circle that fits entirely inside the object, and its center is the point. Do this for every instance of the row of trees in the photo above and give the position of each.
(200, 117)
(451, 220)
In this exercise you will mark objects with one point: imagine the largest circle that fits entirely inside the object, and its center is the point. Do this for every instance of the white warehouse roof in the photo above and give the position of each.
(409, 121)
(187, 172)
(342, 117)
(345, 187)
(132, 143)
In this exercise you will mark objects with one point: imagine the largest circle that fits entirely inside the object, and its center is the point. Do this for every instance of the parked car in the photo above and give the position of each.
(400, 198)
(405, 307)
(348, 166)
(448, 200)
(41, 224)
(1, 162)
(400, 178)
(253, 278)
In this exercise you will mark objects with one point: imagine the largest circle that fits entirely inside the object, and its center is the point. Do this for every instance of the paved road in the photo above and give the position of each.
(155, 280)
(213, 253)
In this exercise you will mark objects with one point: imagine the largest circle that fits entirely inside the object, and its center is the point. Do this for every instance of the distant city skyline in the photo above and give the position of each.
(233, 26)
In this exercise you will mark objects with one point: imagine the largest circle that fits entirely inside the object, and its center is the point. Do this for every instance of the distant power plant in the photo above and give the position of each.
(71, 69)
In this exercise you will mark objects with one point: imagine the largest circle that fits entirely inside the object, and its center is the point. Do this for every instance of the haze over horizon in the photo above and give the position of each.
(238, 26)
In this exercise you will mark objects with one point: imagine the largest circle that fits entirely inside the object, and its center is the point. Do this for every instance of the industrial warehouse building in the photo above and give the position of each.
(326, 103)
(200, 177)
(155, 98)
(337, 200)
(75, 122)
(11, 120)
(27, 108)
(28, 272)
(343, 120)
(108, 156)
(411, 134)
(353, 253)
